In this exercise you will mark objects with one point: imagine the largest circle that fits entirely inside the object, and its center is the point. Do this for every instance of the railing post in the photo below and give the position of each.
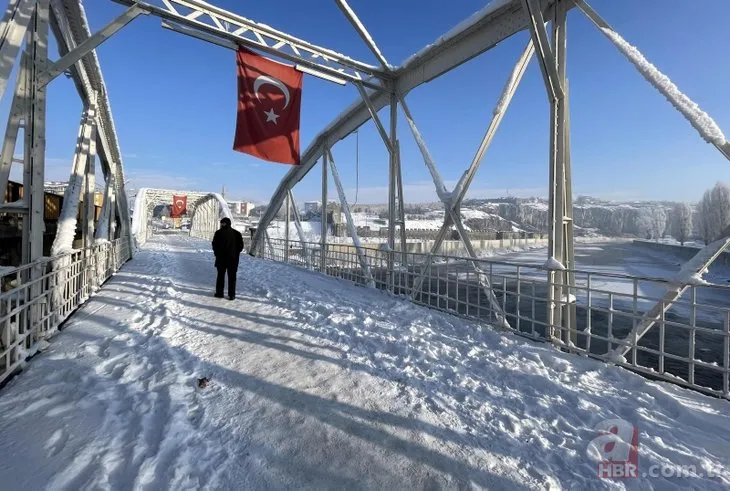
(692, 334)
(35, 148)
(609, 333)
(286, 230)
(589, 300)
(323, 215)
(726, 358)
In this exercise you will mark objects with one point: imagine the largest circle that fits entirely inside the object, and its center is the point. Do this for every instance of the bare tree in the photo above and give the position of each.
(705, 216)
(681, 225)
(714, 212)
(658, 222)
(721, 208)
(644, 226)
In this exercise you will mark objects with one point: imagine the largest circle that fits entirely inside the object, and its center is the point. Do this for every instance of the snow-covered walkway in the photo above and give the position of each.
(316, 383)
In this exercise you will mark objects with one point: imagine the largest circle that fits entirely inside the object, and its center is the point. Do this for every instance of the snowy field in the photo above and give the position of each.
(315, 383)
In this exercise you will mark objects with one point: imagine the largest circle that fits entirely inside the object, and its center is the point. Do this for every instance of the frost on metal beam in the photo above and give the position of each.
(12, 30)
(90, 44)
(69, 24)
(227, 25)
(700, 120)
(350, 223)
(690, 274)
(364, 34)
(546, 57)
(478, 34)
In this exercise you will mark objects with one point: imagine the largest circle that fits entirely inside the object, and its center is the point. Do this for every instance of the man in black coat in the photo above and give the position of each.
(227, 247)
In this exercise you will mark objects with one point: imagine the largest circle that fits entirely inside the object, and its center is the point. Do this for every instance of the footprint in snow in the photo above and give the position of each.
(56, 442)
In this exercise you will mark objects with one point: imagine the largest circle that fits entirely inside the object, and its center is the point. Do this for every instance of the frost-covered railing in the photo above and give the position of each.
(690, 344)
(32, 309)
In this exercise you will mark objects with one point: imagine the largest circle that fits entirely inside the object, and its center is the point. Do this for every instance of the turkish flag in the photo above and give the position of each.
(179, 206)
(269, 102)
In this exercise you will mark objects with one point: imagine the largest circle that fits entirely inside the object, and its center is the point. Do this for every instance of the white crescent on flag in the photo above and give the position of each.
(263, 80)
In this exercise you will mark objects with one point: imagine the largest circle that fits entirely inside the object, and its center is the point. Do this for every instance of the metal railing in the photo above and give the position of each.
(688, 345)
(36, 298)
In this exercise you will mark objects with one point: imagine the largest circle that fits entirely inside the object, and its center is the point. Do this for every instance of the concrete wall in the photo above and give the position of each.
(451, 246)
(683, 252)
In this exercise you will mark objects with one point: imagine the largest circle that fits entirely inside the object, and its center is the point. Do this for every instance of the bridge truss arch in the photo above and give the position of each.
(206, 213)
(146, 201)
(24, 40)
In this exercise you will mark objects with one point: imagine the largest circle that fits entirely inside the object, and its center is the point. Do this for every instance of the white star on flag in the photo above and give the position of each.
(271, 116)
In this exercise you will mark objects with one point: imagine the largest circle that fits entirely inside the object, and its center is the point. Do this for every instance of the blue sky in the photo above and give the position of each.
(174, 101)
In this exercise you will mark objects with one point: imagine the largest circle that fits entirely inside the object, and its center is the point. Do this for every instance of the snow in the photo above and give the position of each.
(459, 28)
(553, 263)
(538, 205)
(316, 383)
(140, 209)
(364, 32)
(468, 213)
(66, 227)
(692, 271)
(695, 279)
(703, 123)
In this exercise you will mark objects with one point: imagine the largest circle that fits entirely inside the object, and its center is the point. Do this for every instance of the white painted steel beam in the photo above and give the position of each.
(691, 269)
(606, 29)
(363, 33)
(441, 190)
(286, 227)
(69, 24)
(447, 53)
(90, 44)
(12, 31)
(350, 222)
(323, 218)
(453, 213)
(103, 228)
(462, 187)
(35, 137)
(89, 191)
(18, 113)
(300, 232)
(374, 117)
(68, 218)
(544, 53)
(226, 25)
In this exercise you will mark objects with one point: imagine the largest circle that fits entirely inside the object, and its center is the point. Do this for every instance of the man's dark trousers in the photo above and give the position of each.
(231, 270)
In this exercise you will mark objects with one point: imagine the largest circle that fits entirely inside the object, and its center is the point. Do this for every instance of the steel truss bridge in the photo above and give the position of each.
(41, 292)
(204, 209)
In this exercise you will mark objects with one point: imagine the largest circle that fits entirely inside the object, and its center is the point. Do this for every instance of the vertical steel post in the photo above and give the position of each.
(18, 112)
(323, 215)
(692, 334)
(560, 319)
(401, 206)
(89, 192)
(392, 184)
(726, 357)
(36, 133)
(35, 151)
(286, 231)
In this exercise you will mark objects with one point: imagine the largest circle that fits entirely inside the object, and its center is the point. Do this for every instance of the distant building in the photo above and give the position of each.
(242, 208)
(246, 208)
(311, 207)
(56, 187)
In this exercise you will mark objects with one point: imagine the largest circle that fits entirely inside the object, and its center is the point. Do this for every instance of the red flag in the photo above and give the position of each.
(179, 206)
(269, 101)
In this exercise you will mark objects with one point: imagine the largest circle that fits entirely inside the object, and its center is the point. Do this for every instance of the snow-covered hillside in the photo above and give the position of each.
(308, 382)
